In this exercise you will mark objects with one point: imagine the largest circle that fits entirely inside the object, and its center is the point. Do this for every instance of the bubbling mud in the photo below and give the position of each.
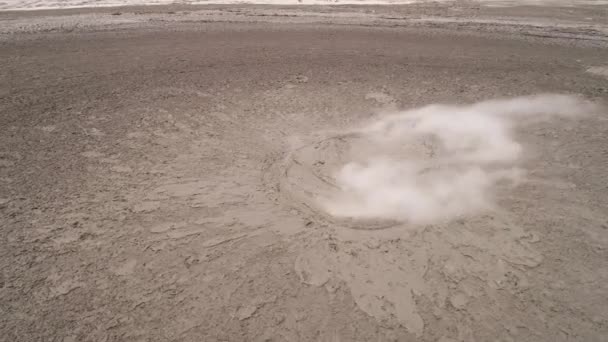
(422, 166)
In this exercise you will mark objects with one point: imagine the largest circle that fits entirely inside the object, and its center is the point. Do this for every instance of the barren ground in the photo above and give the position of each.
(147, 190)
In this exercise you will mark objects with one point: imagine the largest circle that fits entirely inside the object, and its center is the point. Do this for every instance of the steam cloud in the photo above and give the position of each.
(440, 162)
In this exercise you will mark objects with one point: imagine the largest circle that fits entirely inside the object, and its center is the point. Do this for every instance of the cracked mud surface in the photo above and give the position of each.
(155, 181)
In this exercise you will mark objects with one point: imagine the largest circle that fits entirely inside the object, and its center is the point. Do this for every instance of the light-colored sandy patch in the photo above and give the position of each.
(599, 71)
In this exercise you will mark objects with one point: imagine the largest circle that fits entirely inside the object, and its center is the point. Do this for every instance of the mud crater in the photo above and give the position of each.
(307, 175)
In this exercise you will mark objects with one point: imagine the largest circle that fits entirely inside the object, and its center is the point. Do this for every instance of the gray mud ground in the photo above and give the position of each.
(144, 158)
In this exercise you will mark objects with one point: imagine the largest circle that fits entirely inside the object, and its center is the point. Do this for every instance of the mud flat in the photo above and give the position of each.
(161, 169)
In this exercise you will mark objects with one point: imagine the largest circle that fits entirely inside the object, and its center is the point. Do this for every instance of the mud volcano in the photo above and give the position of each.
(308, 179)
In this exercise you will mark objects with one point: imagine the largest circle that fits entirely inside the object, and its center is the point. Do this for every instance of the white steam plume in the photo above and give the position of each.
(440, 162)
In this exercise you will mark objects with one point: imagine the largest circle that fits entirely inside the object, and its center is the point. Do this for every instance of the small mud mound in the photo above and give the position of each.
(306, 177)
